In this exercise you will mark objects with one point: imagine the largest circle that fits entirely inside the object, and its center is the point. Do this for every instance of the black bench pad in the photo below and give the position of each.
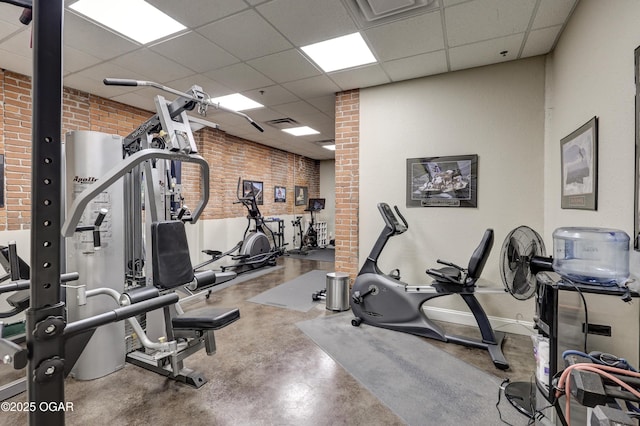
(207, 318)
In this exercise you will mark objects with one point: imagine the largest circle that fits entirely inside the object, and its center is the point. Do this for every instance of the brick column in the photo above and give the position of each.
(347, 181)
(3, 210)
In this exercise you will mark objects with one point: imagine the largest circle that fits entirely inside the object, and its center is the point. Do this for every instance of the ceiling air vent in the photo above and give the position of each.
(283, 123)
(376, 12)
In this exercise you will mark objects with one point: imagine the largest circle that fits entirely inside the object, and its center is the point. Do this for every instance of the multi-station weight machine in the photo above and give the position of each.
(57, 332)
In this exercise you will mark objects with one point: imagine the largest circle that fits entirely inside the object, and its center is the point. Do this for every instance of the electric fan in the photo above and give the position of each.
(522, 248)
(522, 256)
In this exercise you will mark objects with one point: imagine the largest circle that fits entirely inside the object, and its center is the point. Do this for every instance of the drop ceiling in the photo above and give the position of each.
(253, 47)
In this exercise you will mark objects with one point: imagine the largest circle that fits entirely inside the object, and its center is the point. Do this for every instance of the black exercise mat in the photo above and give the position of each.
(419, 382)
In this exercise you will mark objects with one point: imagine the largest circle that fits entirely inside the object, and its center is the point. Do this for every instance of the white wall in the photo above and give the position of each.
(496, 112)
(591, 73)
(328, 192)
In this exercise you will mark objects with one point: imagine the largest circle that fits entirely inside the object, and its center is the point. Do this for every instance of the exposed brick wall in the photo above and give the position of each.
(347, 181)
(229, 157)
(17, 149)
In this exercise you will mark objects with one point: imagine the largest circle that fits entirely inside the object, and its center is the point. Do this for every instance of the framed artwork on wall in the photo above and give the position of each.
(280, 194)
(302, 195)
(442, 181)
(579, 162)
(253, 188)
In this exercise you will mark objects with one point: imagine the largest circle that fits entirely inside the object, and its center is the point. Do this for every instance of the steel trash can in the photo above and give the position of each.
(337, 296)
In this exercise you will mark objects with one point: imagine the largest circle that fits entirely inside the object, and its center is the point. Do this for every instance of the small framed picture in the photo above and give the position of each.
(253, 188)
(302, 195)
(280, 194)
(579, 160)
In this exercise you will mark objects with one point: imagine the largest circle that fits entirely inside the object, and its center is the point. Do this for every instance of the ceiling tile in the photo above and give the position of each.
(312, 87)
(9, 19)
(152, 65)
(16, 63)
(326, 104)
(75, 60)
(19, 43)
(296, 109)
(271, 95)
(416, 66)
(371, 75)
(143, 99)
(93, 39)
(240, 77)
(198, 12)
(90, 79)
(246, 34)
(485, 52)
(314, 20)
(540, 42)
(211, 87)
(552, 12)
(499, 18)
(285, 66)
(420, 34)
(195, 51)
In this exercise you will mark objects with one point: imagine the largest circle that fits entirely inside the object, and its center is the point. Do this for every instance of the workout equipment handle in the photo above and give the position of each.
(207, 101)
(119, 82)
(119, 314)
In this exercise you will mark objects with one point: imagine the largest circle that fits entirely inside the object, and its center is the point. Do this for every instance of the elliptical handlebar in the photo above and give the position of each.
(199, 97)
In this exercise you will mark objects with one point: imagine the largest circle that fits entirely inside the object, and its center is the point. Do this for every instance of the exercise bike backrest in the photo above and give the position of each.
(480, 255)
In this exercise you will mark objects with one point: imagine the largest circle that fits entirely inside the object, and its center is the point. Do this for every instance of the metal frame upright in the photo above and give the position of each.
(45, 317)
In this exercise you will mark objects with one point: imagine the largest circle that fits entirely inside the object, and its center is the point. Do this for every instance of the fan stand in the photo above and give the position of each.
(522, 396)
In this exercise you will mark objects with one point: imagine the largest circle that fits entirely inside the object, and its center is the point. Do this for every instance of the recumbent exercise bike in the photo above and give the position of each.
(384, 301)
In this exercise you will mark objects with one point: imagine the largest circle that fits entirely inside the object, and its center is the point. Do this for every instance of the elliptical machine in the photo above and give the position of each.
(256, 249)
(384, 301)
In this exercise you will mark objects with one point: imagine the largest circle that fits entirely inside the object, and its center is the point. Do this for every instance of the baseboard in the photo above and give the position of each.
(514, 326)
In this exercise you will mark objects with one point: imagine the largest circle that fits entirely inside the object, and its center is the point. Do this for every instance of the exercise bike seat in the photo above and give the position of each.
(454, 274)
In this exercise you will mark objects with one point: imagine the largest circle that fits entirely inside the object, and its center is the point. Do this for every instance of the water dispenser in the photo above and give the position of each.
(591, 255)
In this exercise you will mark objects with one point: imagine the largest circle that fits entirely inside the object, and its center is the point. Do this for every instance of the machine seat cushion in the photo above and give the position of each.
(207, 318)
(451, 272)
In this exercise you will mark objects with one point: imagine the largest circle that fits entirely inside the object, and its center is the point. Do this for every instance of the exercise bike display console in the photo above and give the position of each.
(385, 301)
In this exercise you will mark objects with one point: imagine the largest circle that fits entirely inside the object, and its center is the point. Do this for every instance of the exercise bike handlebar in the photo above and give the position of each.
(205, 101)
(391, 220)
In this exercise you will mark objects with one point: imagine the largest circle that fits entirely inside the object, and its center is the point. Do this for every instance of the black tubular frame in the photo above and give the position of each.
(45, 317)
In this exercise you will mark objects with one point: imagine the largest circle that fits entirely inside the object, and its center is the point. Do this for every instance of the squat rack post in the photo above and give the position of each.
(45, 317)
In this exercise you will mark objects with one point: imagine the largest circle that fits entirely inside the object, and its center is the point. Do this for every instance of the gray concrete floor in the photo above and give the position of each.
(265, 372)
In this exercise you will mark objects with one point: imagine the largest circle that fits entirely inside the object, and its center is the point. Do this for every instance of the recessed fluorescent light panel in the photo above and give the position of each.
(135, 19)
(301, 131)
(329, 147)
(236, 102)
(340, 53)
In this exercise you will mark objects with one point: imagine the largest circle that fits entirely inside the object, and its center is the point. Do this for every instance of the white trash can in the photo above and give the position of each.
(337, 296)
